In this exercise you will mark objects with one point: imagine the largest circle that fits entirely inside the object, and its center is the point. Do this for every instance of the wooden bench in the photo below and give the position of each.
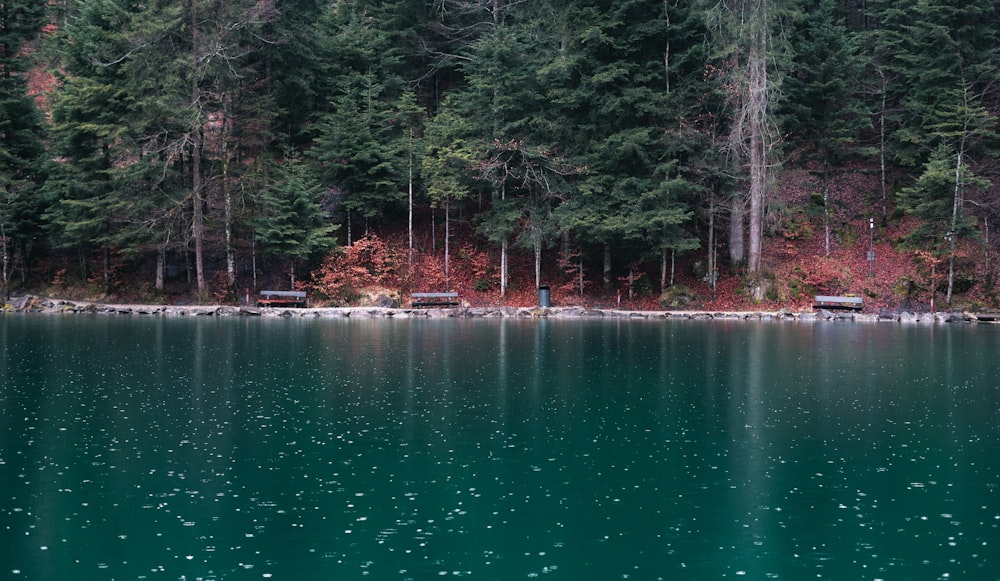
(275, 298)
(426, 300)
(828, 302)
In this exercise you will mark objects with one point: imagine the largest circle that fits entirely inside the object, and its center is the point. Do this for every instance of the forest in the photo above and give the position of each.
(674, 151)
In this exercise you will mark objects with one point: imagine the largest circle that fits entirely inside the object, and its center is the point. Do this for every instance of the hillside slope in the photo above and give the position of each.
(797, 263)
(794, 255)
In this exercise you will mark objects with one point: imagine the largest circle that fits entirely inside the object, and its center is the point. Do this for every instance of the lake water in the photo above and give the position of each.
(247, 448)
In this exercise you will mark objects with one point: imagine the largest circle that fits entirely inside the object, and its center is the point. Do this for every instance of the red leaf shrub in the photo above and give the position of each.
(369, 262)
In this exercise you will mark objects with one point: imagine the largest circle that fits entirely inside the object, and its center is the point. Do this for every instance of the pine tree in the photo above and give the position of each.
(359, 145)
(936, 198)
(940, 56)
(109, 187)
(945, 67)
(609, 92)
(293, 71)
(290, 222)
(503, 101)
(450, 156)
(821, 109)
(153, 111)
(20, 132)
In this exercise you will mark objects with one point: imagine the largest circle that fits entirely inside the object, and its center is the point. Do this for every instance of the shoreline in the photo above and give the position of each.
(43, 305)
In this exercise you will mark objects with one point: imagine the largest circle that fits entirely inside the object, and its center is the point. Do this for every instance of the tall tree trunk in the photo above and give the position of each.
(987, 267)
(504, 267)
(198, 218)
(881, 145)
(504, 245)
(537, 246)
(956, 210)
(447, 246)
(409, 205)
(758, 141)
(666, 50)
(737, 233)
(82, 256)
(673, 264)
(227, 196)
(663, 270)
(958, 199)
(161, 265)
(747, 25)
(253, 259)
(933, 283)
(826, 211)
(537, 243)
(712, 251)
(5, 243)
(607, 266)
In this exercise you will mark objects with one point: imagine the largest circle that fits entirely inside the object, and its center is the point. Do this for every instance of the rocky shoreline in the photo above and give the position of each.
(35, 304)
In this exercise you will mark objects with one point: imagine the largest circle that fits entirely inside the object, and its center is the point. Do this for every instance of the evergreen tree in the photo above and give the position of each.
(931, 199)
(20, 129)
(153, 111)
(360, 145)
(821, 105)
(410, 121)
(941, 55)
(662, 214)
(360, 157)
(936, 198)
(293, 69)
(822, 110)
(447, 167)
(290, 222)
(696, 172)
(945, 67)
(599, 124)
(613, 89)
(120, 120)
(503, 102)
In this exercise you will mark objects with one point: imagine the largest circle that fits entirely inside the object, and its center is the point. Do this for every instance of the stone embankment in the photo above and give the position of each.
(33, 304)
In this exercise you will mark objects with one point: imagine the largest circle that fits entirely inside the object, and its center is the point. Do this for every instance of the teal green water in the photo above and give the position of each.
(191, 448)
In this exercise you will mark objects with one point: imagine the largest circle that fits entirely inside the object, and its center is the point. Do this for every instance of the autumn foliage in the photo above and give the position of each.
(365, 264)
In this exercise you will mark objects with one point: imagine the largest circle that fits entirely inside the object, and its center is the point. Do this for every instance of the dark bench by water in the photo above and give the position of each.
(276, 298)
(425, 300)
(833, 302)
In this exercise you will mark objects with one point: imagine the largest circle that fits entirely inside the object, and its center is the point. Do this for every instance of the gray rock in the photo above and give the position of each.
(386, 302)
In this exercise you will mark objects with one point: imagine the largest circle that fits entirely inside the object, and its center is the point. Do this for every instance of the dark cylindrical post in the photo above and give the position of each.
(544, 296)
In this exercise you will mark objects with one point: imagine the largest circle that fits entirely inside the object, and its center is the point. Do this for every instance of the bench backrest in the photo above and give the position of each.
(277, 293)
(434, 295)
(830, 299)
